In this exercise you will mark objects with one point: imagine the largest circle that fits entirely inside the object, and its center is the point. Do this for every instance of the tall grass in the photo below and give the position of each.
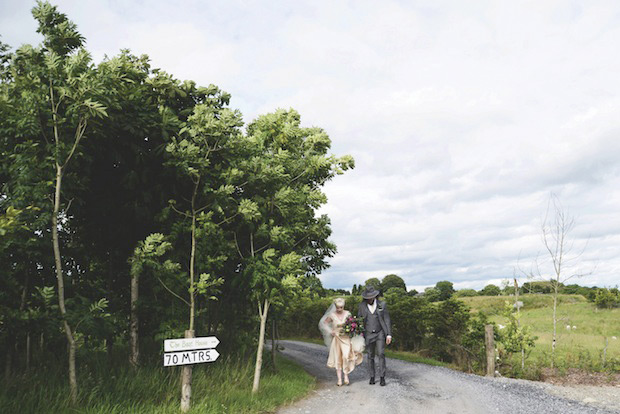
(220, 387)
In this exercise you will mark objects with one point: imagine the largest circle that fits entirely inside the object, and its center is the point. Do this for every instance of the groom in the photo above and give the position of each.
(378, 330)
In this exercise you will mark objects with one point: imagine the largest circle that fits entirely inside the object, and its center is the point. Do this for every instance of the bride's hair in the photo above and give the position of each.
(339, 302)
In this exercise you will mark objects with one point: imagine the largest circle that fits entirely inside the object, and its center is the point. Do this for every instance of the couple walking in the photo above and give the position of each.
(346, 352)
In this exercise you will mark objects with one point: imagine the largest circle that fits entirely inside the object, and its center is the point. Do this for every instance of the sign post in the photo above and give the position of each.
(189, 351)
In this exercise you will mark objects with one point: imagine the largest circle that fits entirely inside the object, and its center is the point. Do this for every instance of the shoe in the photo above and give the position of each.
(372, 381)
(382, 381)
(346, 381)
(339, 383)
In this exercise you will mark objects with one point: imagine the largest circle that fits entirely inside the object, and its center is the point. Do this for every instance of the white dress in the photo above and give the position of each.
(341, 352)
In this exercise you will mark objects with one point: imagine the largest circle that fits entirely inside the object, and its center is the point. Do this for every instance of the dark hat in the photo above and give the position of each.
(370, 292)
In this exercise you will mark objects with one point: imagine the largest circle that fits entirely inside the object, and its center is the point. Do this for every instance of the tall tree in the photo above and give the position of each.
(445, 288)
(556, 231)
(280, 236)
(200, 153)
(55, 91)
(393, 281)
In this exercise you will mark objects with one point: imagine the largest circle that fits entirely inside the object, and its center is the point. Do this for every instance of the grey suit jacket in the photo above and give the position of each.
(382, 311)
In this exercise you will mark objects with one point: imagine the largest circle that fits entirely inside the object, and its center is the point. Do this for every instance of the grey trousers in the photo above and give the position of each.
(376, 346)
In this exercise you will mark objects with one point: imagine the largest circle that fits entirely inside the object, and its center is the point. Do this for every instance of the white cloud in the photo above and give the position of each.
(462, 117)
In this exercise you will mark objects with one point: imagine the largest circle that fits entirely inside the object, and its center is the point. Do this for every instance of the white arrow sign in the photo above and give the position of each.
(173, 345)
(190, 357)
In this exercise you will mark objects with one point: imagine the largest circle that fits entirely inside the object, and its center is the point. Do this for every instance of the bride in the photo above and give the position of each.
(344, 353)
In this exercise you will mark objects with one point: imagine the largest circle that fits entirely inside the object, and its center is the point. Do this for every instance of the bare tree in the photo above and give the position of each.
(556, 231)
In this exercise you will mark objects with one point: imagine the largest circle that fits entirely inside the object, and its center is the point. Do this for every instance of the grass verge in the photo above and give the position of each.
(221, 387)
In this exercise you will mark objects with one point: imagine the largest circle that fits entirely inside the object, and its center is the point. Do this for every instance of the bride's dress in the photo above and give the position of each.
(341, 352)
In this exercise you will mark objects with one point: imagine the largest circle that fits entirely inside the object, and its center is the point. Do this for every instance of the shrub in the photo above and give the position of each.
(465, 293)
(491, 290)
(607, 298)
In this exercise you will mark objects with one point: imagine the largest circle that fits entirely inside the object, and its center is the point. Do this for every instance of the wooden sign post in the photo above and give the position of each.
(188, 351)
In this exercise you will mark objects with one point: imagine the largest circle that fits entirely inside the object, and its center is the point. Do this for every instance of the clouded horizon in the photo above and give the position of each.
(463, 117)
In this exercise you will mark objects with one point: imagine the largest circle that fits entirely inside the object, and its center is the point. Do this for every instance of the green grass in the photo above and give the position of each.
(581, 347)
(221, 387)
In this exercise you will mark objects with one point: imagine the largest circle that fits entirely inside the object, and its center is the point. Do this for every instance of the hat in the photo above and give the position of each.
(370, 292)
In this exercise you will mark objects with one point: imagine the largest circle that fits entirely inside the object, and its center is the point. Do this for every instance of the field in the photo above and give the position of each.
(582, 329)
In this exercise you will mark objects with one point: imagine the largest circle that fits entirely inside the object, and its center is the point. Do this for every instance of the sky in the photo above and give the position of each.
(463, 118)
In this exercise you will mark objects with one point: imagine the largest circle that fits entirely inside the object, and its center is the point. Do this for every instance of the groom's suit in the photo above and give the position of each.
(377, 327)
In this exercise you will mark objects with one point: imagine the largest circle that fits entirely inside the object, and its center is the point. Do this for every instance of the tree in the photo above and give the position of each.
(445, 288)
(393, 281)
(55, 94)
(448, 323)
(432, 294)
(607, 298)
(461, 293)
(279, 236)
(490, 290)
(556, 232)
(516, 337)
(409, 318)
(199, 154)
(374, 282)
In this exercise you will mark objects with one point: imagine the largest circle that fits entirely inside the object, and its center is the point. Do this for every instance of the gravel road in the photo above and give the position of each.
(418, 388)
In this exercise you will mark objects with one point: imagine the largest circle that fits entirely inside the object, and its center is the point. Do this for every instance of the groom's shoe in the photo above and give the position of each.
(382, 381)
(372, 381)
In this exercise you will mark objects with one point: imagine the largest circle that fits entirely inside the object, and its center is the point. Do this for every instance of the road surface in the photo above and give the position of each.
(419, 388)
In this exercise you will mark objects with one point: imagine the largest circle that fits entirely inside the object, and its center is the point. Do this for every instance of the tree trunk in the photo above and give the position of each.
(192, 300)
(27, 351)
(555, 322)
(7, 363)
(261, 342)
(186, 374)
(186, 381)
(72, 370)
(273, 344)
(61, 286)
(134, 358)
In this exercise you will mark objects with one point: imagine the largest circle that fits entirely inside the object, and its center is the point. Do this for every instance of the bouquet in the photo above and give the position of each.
(353, 326)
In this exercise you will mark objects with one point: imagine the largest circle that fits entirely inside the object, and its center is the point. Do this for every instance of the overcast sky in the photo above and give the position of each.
(463, 117)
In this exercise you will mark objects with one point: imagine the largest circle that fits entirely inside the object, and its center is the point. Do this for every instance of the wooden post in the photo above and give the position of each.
(186, 381)
(490, 347)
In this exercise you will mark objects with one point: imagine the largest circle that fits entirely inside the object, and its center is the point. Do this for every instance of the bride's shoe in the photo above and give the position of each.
(339, 383)
(346, 381)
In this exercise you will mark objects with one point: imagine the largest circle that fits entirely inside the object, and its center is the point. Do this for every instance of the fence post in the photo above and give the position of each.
(490, 347)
